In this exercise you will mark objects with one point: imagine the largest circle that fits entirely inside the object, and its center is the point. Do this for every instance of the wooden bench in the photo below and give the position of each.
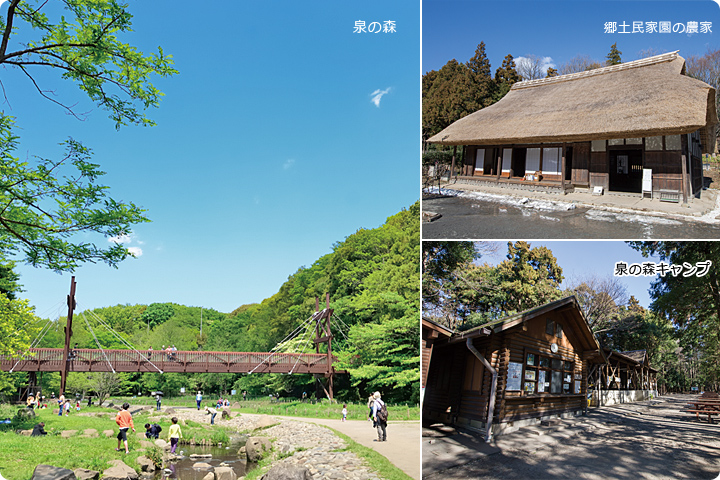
(709, 413)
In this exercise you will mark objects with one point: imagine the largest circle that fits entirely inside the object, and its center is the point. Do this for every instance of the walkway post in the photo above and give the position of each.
(68, 334)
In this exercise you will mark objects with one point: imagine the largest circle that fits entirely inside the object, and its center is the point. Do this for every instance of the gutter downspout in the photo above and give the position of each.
(493, 387)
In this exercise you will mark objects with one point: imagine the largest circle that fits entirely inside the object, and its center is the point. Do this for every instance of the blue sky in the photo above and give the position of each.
(558, 31)
(283, 133)
(581, 258)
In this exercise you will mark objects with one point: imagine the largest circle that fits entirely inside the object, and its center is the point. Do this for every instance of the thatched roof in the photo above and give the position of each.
(644, 98)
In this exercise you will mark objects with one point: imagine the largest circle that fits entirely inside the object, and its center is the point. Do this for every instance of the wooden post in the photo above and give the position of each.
(685, 180)
(499, 164)
(452, 166)
(68, 335)
(562, 169)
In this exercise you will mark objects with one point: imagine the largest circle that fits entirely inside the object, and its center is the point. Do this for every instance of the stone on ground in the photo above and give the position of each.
(169, 411)
(287, 472)
(256, 447)
(25, 433)
(85, 474)
(68, 433)
(225, 473)
(90, 433)
(108, 433)
(162, 444)
(202, 466)
(265, 421)
(119, 471)
(146, 465)
(225, 415)
(146, 444)
(209, 476)
(48, 472)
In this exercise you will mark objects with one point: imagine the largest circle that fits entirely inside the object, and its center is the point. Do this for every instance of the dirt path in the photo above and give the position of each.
(402, 447)
(645, 440)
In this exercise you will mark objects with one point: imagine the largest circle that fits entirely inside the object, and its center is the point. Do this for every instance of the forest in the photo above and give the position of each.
(372, 278)
(680, 330)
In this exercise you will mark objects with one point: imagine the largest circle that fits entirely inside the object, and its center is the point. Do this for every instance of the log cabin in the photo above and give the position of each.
(637, 128)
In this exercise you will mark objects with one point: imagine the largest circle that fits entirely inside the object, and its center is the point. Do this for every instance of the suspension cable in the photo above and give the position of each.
(104, 324)
(272, 351)
(96, 341)
(307, 344)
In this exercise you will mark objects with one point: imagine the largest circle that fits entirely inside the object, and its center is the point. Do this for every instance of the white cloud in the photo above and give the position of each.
(377, 96)
(530, 63)
(120, 239)
(135, 251)
(288, 163)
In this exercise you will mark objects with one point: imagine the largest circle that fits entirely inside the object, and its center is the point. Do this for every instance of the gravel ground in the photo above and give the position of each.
(644, 440)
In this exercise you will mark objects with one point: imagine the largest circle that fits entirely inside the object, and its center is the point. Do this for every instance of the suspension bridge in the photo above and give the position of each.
(67, 359)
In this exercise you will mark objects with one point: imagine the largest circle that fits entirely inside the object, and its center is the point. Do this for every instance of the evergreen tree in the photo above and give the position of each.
(505, 77)
(480, 82)
(613, 58)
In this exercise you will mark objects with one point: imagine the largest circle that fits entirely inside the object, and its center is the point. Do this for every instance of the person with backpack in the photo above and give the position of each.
(152, 431)
(380, 417)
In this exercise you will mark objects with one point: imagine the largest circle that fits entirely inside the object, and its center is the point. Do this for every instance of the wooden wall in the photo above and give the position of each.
(580, 163)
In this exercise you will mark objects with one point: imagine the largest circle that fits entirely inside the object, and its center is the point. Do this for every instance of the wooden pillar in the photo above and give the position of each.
(562, 169)
(68, 335)
(685, 180)
(499, 164)
(452, 166)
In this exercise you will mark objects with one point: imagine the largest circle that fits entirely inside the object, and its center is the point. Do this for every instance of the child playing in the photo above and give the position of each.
(125, 422)
(175, 434)
(67, 408)
(77, 406)
(344, 412)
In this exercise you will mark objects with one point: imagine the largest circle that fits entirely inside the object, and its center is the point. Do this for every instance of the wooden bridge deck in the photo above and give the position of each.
(88, 360)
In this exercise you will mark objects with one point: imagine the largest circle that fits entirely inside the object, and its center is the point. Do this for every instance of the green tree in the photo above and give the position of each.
(692, 303)
(83, 44)
(613, 57)
(41, 212)
(156, 314)
(481, 84)
(505, 77)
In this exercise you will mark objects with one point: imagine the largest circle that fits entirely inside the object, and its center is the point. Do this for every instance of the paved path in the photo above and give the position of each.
(402, 447)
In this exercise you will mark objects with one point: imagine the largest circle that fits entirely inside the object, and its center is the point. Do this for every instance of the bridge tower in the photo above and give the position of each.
(68, 334)
(323, 335)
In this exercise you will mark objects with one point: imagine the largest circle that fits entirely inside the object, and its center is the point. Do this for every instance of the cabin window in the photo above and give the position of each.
(507, 159)
(549, 327)
(598, 146)
(551, 160)
(547, 375)
(558, 330)
(653, 143)
(532, 160)
(616, 141)
(672, 142)
(633, 141)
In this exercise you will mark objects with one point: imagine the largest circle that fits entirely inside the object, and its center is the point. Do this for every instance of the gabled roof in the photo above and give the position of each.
(569, 309)
(639, 356)
(644, 98)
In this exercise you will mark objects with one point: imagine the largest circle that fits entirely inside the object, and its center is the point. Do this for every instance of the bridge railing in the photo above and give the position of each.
(51, 359)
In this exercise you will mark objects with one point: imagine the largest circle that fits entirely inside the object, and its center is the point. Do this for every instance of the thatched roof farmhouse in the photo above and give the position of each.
(599, 128)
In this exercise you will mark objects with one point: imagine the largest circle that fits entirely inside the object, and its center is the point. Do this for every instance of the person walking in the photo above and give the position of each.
(380, 417)
(158, 401)
(125, 422)
(198, 399)
(212, 412)
(344, 412)
(61, 403)
(371, 401)
(175, 434)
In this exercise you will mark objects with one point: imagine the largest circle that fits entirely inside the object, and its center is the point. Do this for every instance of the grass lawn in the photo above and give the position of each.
(20, 454)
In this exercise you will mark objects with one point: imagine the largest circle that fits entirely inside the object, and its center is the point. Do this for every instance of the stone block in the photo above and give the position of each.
(287, 472)
(119, 471)
(85, 474)
(68, 433)
(256, 448)
(146, 465)
(48, 472)
(225, 473)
